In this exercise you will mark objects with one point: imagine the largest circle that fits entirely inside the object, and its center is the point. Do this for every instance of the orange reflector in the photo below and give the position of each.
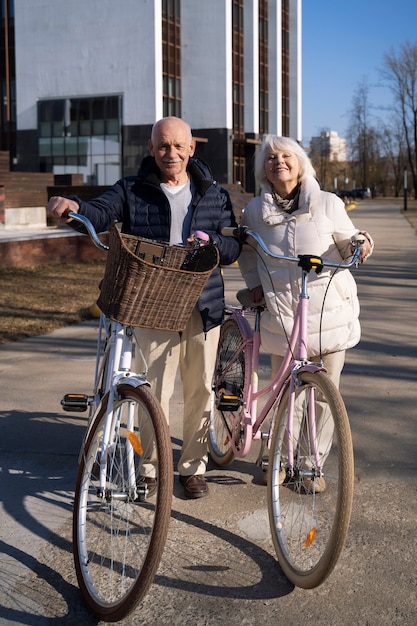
(310, 537)
(226, 441)
(134, 440)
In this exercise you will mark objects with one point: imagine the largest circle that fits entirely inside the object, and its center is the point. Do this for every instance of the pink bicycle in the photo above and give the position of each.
(309, 524)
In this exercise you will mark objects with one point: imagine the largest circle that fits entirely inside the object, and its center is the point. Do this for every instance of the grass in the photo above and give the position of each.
(37, 300)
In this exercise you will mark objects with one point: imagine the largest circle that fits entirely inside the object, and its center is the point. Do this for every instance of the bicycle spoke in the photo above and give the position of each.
(119, 534)
(226, 401)
(310, 503)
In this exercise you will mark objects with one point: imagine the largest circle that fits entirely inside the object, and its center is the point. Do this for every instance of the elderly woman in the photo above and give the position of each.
(294, 216)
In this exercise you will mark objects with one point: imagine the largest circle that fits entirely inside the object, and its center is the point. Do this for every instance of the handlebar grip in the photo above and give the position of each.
(90, 229)
(238, 232)
(202, 236)
(230, 231)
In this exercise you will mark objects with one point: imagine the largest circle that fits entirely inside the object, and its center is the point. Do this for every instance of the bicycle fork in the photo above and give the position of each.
(111, 438)
(308, 422)
(121, 356)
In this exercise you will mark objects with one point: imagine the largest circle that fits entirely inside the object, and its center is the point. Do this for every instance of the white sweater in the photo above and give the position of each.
(320, 226)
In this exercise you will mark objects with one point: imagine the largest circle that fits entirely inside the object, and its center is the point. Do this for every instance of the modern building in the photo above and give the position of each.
(83, 81)
(330, 146)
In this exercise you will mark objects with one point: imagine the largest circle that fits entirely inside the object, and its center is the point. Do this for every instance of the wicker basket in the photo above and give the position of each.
(152, 284)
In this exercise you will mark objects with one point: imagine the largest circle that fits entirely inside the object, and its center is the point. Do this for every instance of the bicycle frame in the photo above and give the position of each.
(276, 388)
(124, 484)
(295, 360)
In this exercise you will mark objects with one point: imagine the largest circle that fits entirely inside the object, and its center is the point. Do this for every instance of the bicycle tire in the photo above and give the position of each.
(309, 528)
(118, 542)
(228, 378)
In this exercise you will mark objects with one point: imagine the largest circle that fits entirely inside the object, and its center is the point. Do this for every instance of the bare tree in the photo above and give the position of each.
(361, 135)
(399, 71)
(393, 154)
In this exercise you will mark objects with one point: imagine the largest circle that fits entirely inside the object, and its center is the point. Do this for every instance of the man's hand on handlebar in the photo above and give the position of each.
(60, 207)
(198, 239)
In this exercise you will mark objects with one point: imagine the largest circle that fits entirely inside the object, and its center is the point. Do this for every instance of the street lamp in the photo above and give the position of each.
(405, 187)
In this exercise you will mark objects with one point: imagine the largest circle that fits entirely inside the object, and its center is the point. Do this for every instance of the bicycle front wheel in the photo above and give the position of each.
(119, 535)
(310, 509)
(227, 392)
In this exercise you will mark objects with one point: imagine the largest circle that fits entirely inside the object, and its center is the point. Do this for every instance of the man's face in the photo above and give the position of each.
(172, 146)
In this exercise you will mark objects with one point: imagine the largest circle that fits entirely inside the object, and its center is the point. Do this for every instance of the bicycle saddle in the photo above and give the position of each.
(245, 298)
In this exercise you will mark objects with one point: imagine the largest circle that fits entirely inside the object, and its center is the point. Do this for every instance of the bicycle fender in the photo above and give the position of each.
(133, 381)
(312, 368)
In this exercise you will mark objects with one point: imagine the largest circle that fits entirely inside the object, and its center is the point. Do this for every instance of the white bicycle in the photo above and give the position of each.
(122, 502)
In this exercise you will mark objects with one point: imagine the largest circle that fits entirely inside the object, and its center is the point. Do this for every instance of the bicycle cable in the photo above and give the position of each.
(332, 274)
(255, 248)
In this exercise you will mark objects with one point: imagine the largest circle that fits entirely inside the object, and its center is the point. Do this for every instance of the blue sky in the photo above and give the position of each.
(344, 42)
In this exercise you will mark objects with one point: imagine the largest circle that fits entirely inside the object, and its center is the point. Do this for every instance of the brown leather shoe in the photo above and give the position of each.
(194, 486)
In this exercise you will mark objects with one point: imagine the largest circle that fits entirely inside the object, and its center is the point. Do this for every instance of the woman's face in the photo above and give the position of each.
(282, 170)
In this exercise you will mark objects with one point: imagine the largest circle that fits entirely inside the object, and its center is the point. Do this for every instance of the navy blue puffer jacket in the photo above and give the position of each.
(143, 209)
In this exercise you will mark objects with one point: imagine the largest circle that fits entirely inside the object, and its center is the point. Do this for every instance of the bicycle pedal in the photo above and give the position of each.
(228, 403)
(76, 402)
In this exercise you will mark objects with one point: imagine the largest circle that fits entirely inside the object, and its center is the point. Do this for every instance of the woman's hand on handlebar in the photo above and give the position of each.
(59, 206)
(366, 243)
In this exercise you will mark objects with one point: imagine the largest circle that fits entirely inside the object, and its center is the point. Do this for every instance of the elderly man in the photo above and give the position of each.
(172, 196)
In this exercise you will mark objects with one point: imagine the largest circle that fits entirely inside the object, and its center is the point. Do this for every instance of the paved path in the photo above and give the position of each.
(219, 565)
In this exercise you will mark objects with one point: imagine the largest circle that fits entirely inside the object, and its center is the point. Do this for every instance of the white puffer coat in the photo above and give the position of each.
(320, 226)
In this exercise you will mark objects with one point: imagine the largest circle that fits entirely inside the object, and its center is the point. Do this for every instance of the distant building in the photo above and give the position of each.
(83, 82)
(330, 146)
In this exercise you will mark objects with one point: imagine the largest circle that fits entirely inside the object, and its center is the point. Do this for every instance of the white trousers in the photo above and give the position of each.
(194, 352)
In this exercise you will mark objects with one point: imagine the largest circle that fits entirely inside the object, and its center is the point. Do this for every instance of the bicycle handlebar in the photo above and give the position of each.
(90, 229)
(242, 233)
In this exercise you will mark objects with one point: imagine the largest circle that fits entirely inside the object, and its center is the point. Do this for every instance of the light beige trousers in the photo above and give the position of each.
(333, 362)
(194, 353)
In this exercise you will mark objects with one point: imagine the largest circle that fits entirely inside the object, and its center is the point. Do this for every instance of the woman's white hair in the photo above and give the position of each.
(273, 143)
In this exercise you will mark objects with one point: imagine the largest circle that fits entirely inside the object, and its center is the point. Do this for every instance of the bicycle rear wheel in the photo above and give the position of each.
(309, 518)
(226, 398)
(118, 540)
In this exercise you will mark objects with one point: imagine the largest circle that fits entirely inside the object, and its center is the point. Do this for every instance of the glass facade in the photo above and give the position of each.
(238, 68)
(263, 68)
(285, 78)
(171, 57)
(239, 161)
(81, 136)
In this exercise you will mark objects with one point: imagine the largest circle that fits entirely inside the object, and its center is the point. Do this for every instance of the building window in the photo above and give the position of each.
(263, 67)
(238, 69)
(285, 68)
(171, 57)
(81, 136)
